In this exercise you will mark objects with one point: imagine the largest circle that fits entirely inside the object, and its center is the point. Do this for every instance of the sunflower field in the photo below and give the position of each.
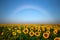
(29, 32)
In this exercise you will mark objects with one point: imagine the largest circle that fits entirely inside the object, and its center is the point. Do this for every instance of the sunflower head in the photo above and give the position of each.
(14, 33)
(19, 27)
(37, 33)
(18, 31)
(9, 28)
(31, 33)
(55, 31)
(39, 30)
(2, 33)
(45, 35)
(25, 31)
(15, 28)
(31, 28)
(43, 28)
(48, 28)
(36, 27)
(48, 32)
(57, 38)
(26, 26)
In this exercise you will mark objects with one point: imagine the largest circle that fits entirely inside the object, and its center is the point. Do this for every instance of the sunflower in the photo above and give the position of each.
(57, 38)
(15, 28)
(9, 28)
(2, 33)
(31, 33)
(48, 28)
(19, 27)
(39, 30)
(14, 33)
(45, 35)
(43, 28)
(55, 31)
(31, 28)
(37, 33)
(59, 29)
(18, 31)
(48, 32)
(25, 31)
(36, 27)
(26, 26)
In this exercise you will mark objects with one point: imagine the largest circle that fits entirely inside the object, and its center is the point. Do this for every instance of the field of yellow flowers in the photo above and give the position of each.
(29, 31)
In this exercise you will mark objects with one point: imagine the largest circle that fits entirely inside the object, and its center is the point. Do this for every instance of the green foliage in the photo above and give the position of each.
(7, 34)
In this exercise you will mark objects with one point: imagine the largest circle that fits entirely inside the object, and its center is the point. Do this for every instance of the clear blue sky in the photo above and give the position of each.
(9, 7)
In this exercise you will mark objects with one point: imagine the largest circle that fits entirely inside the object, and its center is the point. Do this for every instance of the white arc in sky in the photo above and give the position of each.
(49, 19)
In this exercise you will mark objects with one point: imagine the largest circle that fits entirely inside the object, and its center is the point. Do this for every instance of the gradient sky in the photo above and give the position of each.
(30, 11)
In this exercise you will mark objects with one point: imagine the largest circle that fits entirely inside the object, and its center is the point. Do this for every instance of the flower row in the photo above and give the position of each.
(30, 32)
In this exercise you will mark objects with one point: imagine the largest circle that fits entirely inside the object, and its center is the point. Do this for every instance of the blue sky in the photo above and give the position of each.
(31, 11)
